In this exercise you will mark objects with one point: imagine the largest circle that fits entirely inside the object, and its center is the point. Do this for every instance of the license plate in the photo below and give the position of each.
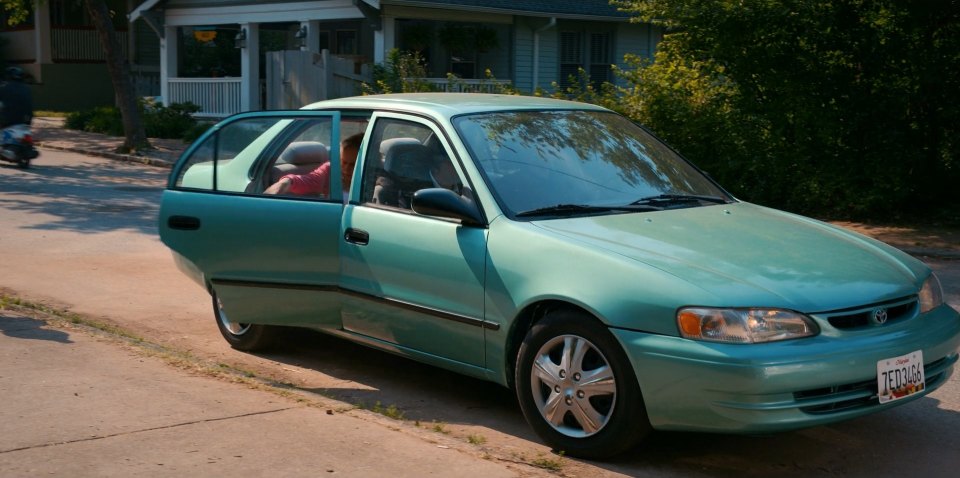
(900, 377)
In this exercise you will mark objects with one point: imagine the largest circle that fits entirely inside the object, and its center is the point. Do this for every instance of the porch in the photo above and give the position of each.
(220, 97)
(294, 79)
(465, 85)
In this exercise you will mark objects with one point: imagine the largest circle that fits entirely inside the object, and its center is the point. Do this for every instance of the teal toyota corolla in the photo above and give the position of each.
(558, 249)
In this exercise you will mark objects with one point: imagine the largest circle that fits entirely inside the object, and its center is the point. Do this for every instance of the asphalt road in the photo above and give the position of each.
(80, 233)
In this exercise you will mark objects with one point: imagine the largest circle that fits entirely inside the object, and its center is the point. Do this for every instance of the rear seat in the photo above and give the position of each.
(299, 157)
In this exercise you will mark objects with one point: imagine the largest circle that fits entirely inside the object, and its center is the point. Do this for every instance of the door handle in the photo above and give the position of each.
(184, 223)
(357, 236)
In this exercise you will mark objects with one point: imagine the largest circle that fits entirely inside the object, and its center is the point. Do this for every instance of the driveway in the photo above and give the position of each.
(79, 234)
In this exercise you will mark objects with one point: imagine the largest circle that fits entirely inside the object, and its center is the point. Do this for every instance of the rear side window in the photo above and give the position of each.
(247, 155)
(223, 160)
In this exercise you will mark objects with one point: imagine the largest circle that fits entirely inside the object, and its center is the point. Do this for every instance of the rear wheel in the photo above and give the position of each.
(577, 388)
(245, 337)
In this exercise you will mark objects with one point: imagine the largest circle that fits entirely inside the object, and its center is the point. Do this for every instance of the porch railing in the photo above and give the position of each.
(80, 44)
(460, 85)
(217, 97)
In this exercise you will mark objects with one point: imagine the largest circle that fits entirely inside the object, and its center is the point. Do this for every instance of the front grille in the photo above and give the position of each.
(863, 316)
(861, 394)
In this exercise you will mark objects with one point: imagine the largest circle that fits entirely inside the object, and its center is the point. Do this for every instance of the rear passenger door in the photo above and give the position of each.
(413, 282)
(269, 259)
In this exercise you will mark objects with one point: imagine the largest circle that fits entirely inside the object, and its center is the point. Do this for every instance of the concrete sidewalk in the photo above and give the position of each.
(50, 133)
(74, 404)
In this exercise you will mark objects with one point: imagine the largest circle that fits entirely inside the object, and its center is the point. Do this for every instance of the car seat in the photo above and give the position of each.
(299, 157)
(406, 170)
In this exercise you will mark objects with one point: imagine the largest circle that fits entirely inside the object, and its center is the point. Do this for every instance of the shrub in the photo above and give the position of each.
(78, 119)
(196, 131)
(173, 121)
(106, 120)
(402, 72)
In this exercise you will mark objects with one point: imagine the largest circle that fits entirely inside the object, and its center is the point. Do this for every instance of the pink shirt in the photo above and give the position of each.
(316, 182)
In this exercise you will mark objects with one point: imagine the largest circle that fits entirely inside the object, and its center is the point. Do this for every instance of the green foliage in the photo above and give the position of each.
(390, 412)
(844, 108)
(582, 89)
(402, 72)
(174, 121)
(17, 11)
(195, 131)
(102, 119)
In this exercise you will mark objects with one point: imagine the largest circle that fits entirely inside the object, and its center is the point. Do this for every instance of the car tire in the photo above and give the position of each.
(245, 337)
(577, 388)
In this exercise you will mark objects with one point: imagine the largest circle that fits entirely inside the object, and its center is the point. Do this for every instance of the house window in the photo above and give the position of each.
(600, 58)
(347, 42)
(324, 38)
(592, 51)
(571, 56)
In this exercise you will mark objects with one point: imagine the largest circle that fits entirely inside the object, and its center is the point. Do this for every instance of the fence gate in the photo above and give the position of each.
(297, 78)
(294, 79)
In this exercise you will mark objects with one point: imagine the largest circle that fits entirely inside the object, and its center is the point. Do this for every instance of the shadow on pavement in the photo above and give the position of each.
(86, 198)
(20, 327)
(874, 445)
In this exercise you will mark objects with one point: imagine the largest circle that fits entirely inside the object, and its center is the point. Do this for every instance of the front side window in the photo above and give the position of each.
(402, 158)
(586, 160)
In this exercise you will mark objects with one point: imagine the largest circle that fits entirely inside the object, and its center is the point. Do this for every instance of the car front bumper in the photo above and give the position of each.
(702, 386)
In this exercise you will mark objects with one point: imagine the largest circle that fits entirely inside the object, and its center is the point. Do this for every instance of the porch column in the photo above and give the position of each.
(384, 40)
(250, 68)
(168, 62)
(313, 36)
(42, 33)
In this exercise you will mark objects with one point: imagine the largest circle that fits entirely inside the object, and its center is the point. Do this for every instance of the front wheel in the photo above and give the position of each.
(245, 337)
(577, 389)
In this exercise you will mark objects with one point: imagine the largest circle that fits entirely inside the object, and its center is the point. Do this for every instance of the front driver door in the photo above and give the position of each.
(269, 259)
(413, 282)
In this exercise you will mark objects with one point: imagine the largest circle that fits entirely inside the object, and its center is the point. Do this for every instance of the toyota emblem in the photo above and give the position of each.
(879, 316)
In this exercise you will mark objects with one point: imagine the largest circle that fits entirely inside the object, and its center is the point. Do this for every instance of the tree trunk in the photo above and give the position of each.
(135, 136)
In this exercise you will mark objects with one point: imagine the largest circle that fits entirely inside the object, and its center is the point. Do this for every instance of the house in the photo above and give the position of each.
(222, 55)
(239, 55)
(58, 46)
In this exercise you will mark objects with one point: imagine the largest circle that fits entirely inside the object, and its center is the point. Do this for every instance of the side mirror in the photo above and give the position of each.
(445, 203)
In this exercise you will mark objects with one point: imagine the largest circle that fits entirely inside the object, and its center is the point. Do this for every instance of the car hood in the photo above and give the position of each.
(745, 255)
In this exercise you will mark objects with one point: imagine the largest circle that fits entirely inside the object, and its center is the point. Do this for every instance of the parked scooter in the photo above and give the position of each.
(16, 145)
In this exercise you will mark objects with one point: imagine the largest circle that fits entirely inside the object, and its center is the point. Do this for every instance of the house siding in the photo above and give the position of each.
(498, 60)
(638, 39)
(549, 59)
(523, 55)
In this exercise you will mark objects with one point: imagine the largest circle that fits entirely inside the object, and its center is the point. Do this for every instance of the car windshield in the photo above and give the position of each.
(562, 163)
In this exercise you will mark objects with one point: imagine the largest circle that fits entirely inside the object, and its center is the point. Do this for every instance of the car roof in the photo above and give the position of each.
(446, 105)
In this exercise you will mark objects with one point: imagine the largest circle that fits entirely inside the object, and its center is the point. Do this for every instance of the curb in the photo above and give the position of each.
(130, 158)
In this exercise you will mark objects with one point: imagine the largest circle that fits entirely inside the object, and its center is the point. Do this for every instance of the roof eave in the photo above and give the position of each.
(506, 11)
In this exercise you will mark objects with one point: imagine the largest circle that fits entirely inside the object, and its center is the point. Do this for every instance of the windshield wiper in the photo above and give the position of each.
(662, 199)
(573, 209)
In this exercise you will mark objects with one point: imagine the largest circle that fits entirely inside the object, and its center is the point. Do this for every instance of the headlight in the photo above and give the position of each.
(931, 294)
(743, 326)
